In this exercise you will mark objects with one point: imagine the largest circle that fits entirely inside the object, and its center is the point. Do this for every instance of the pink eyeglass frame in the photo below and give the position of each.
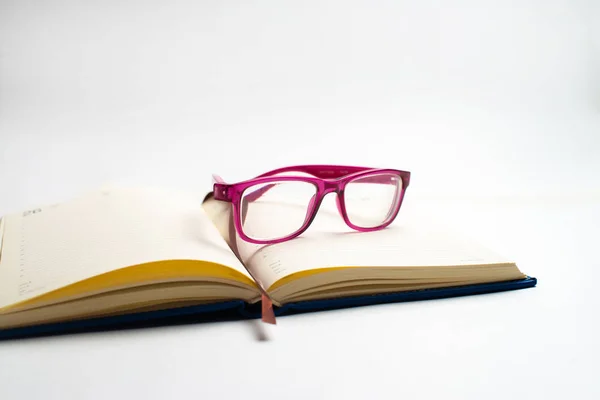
(326, 178)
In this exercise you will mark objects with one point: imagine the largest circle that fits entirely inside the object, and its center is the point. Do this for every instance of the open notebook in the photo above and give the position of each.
(123, 255)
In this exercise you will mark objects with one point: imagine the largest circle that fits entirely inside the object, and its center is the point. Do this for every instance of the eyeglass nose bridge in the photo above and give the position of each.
(330, 187)
(333, 187)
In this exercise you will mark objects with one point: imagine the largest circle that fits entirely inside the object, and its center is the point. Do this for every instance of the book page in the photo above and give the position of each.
(329, 242)
(49, 247)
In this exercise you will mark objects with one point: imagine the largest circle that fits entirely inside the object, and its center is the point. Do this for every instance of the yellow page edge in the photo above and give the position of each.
(302, 274)
(137, 274)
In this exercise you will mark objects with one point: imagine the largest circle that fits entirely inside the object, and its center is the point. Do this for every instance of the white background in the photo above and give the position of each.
(493, 105)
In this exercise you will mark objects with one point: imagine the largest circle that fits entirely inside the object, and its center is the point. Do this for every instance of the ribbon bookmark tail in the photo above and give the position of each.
(268, 315)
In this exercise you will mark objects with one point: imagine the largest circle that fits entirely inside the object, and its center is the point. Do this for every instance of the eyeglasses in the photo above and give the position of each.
(272, 208)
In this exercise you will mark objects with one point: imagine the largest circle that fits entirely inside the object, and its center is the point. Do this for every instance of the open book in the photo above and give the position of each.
(121, 251)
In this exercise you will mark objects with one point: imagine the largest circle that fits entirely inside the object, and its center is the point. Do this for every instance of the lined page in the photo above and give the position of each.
(50, 247)
(330, 243)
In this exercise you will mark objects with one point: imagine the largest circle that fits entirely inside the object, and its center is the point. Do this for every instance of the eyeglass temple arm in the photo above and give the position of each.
(316, 171)
(319, 172)
(217, 179)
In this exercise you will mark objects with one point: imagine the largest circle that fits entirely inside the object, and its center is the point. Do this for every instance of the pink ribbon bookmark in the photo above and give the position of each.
(268, 315)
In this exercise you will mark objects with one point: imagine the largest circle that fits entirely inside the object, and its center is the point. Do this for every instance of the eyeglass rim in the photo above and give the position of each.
(325, 184)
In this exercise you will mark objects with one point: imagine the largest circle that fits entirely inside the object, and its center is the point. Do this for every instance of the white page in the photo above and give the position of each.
(329, 242)
(50, 247)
